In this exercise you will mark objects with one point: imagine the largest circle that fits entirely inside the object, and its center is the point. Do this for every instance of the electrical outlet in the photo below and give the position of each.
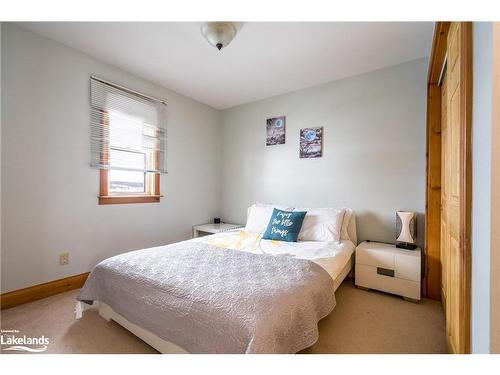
(63, 259)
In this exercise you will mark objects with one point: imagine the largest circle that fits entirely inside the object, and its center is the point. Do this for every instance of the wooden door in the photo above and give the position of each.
(449, 184)
(455, 191)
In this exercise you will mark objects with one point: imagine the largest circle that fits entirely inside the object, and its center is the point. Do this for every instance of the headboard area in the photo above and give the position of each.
(351, 229)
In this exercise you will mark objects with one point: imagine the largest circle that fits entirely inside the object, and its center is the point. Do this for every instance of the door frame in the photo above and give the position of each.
(432, 276)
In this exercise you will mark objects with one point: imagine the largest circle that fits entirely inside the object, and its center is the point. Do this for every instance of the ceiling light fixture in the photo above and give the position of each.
(218, 34)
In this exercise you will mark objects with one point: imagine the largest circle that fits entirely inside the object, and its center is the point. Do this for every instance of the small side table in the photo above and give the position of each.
(204, 229)
(385, 267)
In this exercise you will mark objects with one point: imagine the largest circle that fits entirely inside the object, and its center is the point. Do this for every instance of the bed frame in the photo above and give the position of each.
(166, 347)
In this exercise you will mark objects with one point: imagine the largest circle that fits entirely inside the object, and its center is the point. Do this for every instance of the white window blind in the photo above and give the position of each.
(127, 131)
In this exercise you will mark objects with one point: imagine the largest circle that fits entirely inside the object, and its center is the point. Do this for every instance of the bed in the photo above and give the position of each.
(263, 296)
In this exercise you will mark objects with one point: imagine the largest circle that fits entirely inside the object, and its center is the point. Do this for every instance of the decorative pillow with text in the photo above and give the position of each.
(284, 225)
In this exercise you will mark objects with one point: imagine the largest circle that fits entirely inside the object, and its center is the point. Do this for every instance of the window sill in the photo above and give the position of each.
(126, 199)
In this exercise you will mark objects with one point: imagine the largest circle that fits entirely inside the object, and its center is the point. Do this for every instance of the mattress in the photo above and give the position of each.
(331, 256)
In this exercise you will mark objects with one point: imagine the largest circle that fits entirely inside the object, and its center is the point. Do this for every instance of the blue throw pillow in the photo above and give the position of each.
(284, 225)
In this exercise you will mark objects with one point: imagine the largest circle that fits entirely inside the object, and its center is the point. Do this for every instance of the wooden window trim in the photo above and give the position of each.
(106, 198)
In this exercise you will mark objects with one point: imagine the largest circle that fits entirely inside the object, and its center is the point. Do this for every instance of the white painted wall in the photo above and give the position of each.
(0, 145)
(49, 192)
(374, 150)
(481, 184)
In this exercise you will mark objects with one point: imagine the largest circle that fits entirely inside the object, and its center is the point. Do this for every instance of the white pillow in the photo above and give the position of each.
(258, 218)
(278, 206)
(321, 224)
(344, 234)
(273, 205)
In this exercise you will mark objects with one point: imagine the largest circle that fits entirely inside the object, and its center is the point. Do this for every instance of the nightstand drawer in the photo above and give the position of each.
(375, 258)
(407, 266)
(384, 267)
(367, 277)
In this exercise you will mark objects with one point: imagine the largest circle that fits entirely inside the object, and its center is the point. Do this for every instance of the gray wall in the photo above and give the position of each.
(481, 185)
(49, 192)
(374, 150)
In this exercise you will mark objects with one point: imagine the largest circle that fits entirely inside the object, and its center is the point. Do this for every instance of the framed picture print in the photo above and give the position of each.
(311, 142)
(275, 131)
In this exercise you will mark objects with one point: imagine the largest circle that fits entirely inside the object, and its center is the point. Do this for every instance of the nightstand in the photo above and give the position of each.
(387, 268)
(204, 229)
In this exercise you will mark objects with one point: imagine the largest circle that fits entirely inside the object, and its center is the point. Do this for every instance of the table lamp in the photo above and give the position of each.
(406, 229)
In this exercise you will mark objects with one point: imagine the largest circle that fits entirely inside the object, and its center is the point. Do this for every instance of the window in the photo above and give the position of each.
(128, 143)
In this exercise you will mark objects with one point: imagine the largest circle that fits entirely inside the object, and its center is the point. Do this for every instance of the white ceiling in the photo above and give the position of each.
(265, 59)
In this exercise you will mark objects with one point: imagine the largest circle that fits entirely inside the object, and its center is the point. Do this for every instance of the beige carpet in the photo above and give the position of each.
(362, 322)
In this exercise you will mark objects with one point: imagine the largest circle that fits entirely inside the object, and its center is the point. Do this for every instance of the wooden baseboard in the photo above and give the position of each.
(36, 292)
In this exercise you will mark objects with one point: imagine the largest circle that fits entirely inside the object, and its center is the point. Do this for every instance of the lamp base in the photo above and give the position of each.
(406, 246)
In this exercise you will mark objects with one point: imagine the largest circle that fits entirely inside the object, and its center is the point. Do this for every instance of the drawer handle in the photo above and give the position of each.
(385, 272)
